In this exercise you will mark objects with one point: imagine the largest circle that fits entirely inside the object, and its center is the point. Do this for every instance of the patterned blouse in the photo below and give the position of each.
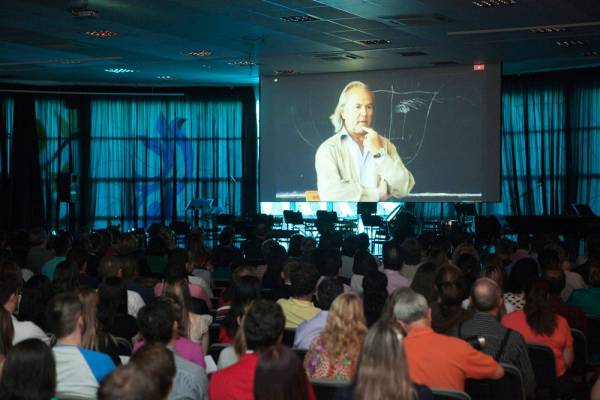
(318, 365)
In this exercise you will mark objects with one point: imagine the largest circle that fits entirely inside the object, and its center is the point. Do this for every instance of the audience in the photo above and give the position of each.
(299, 307)
(157, 324)
(556, 279)
(334, 353)
(447, 312)
(588, 299)
(328, 290)
(413, 256)
(437, 360)
(279, 376)
(9, 298)
(382, 369)
(158, 362)
(503, 344)
(112, 266)
(29, 372)
(374, 295)
(245, 290)
(129, 383)
(38, 254)
(424, 282)
(79, 371)
(263, 327)
(61, 245)
(112, 309)
(364, 264)
(522, 275)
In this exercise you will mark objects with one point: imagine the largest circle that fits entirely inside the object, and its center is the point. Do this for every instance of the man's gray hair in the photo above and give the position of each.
(336, 117)
(410, 306)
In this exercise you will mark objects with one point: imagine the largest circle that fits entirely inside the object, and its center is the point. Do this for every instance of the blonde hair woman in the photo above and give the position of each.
(334, 353)
(382, 369)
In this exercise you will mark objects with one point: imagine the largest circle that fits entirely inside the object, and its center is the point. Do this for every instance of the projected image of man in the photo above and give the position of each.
(357, 163)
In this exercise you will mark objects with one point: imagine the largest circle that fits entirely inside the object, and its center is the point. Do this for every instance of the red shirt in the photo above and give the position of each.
(560, 338)
(237, 381)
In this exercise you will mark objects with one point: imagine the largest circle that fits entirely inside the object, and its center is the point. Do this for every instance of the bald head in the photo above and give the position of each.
(485, 295)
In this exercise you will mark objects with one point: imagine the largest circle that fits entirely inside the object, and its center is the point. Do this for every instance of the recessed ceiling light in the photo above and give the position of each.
(548, 29)
(493, 3)
(280, 72)
(374, 42)
(243, 63)
(299, 18)
(102, 34)
(592, 53)
(119, 70)
(570, 43)
(199, 53)
(166, 77)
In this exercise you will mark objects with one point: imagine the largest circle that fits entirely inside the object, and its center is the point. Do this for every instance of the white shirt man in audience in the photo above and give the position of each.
(78, 371)
(9, 297)
(328, 290)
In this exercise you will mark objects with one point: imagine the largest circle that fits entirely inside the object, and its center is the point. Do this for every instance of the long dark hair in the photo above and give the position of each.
(112, 301)
(35, 296)
(540, 317)
(424, 282)
(364, 263)
(275, 260)
(244, 290)
(280, 376)
(523, 273)
(29, 372)
(7, 331)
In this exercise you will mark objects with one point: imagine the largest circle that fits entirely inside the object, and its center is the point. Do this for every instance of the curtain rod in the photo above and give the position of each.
(90, 93)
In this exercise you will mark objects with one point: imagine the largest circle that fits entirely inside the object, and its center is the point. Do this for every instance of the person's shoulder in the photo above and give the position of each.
(330, 143)
(95, 357)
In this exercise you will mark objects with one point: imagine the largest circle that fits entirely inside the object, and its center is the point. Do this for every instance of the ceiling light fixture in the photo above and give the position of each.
(119, 70)
(548, 29)
(570, 43)
(493, 3)
(593, 53)
(299, 18)
(102, 34)
(374, 42)
(243, 63)
(166, 77)
(199, 53)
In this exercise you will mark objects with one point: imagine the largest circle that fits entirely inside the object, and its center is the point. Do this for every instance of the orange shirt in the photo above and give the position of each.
(560, 338)
(444, 362)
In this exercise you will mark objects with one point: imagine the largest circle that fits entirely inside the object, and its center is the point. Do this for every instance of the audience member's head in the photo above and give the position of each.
(393, 256)
(375, 294)
(555, 277)
(29, 372)
(64, 315)
(245, 290)
(78, 256)
(328, 261)
(308, 245)
(37, 236)
(522, 275)
(486, 296)
(276, 258)
(156, 321)
(382, 368)
(469, 265)
(226, 236)
(89, 301)
(158, 363)
(548, 258)
(387, 314)
(495, 273)
(349, 246)
(540, 318)
(263, 325)
(362, 241)
(110, 266)
(61, 244)
(438, 257)
(131, 383)
(413, 252)
(364, 263)
(66, 277)
(113, 300)
(424, 282)
(411, 307)
(327, 291)
(9, 295)
(35, 296)
(127, 244)
(451, 285)
(295, 247)
(594, 274)
(304, 280)
(280, 376)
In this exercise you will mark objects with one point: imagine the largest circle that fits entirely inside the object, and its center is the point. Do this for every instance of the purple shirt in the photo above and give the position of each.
(184, 348)
(395, 280)
(308, 330)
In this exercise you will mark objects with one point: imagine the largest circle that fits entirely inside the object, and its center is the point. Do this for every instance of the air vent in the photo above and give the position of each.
(548, 29)
(412, 53)
(417, 20)
(570, 43)
(444, 63)
(375, 42)
(299, 18)
(493, 3)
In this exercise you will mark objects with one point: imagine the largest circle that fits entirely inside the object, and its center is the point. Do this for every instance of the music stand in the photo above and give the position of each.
(366, 208)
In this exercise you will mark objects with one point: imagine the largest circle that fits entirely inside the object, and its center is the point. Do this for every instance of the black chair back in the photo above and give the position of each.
(544, 368)
(447, 394)
(327, 389)
(288, 337)
(215, 350)
(510, 386)
(580, 347)
(594, 340)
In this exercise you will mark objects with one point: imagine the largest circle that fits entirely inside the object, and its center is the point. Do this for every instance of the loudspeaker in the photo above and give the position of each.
(67, 186)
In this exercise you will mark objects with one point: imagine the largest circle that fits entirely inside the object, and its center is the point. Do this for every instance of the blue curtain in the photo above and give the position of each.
(149, 158)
